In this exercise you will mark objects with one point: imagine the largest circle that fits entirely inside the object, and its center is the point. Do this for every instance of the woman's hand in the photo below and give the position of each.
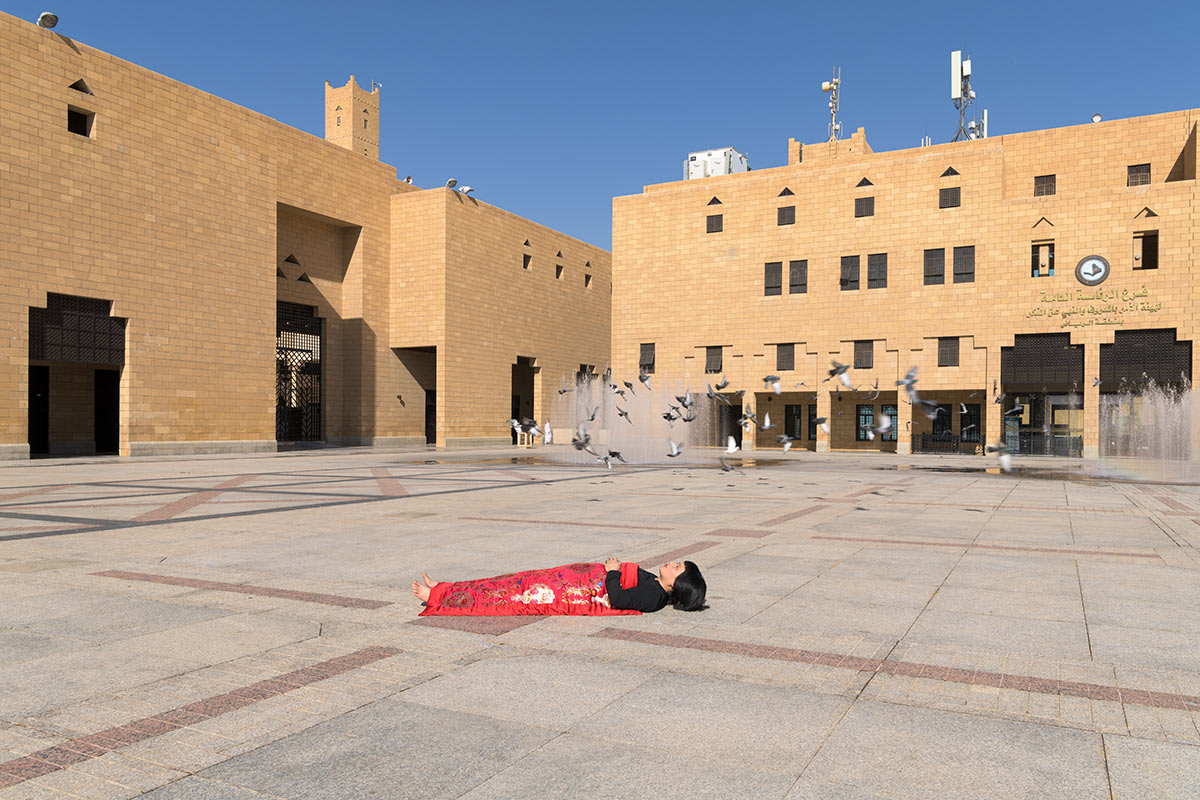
(612, 564)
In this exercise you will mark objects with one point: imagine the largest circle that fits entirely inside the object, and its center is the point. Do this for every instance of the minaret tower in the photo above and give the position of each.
(352, 118)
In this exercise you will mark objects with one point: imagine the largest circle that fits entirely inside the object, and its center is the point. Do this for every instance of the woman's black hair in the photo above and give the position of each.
(689, 589)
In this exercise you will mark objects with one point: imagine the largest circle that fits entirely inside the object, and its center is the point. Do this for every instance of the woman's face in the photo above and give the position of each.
(670, 571)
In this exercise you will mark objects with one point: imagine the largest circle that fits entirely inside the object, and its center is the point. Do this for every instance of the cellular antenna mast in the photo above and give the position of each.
(963, 96)
(833, 87)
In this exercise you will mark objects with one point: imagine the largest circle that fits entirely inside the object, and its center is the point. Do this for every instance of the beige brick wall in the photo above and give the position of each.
(682, 288)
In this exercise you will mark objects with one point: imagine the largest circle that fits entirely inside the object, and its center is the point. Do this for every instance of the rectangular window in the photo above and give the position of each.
(558, 271)
(646, 358)
(792, 421)
(785, 357)
(773, 278)
(947, 351)
(526, 260)
(1137, 175)
(1042, 260)
(935, 267)
(716, 223)
(968, 423)
(943, 423)
(79, 121)
(964, 264)
(950, 198)
(812, 422)
(1043, 185)
(798, 277)
(877, 271)
(864, 206)
(866, 419)
(864, 354)
(587, 281)
(1145, 250)
(849, 279)
(786, 215)
(712, 359)
(890, 412)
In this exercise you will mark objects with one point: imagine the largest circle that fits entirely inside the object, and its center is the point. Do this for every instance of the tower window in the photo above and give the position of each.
(877, 271)
(964, 264)
(798, 277)
(339, 122)
(864, 354)
(947, 351)
(79, 121)
(935, 267)
(773, 278)
(785, 357)
(849, 279)
(1042, 262)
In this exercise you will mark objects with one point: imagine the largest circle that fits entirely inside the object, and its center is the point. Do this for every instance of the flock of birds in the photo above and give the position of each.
(683, 410)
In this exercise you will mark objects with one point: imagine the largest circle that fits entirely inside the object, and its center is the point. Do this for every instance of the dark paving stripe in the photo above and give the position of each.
(243, 588)
(679, 552)
(73, 751)
(183, 504)
(564, 522)
(492, 626)
(1003, 680)
(736, 532)
(793, 515)
(970, 546)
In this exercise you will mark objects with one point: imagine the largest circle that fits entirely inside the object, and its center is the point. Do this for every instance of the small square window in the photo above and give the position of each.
(646, 358)
(864, 206)
(935, 267)
(785, 357)
(947, 351)
(773, 278)
(786, 215)
(1043, 185)
(716, 223)
(1042, 260)
(849, 279)
(950, 198)
(964, 264)
(798, 277)
(864, 354)
(1138, 175)
(1145, 250)
(712, 359)
(877, 271)
(79, 121)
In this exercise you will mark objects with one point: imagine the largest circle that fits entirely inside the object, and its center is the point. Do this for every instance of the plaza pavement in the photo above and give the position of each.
(242, 627)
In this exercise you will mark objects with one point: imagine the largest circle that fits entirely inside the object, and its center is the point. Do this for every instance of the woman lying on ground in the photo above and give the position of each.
(587, 589)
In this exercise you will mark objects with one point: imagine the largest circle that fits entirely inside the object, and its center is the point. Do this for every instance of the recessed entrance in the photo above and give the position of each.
(297, 373)
(522, 390)
(76, 353)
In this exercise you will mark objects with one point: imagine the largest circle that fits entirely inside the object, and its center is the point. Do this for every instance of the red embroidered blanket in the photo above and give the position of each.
(569, 589)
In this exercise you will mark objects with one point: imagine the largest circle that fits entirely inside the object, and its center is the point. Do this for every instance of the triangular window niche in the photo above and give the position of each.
(304, 277)
(279, 273)
(786, 192)
(864, 182)
(949, 171)
(560, 255)
(587, 264)
(81, 86)
(1145, 212)
(1043, 219)
(339, 108)
(527, 243)
(714, 202)
(291, 259)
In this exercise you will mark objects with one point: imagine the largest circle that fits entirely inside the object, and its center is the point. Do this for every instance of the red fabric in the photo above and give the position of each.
(576, 589)
(628, 575)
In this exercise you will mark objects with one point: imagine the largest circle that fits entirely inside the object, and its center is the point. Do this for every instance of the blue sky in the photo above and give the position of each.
(550, 109)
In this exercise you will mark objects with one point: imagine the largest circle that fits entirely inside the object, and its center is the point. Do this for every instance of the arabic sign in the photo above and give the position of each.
(1082, 309)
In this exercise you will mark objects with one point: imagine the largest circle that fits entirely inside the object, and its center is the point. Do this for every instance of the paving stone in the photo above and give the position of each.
(1143, 768)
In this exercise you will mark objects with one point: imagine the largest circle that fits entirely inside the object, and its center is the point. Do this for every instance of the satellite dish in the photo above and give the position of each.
(450, 184)
(47, 20)
(1096, 117)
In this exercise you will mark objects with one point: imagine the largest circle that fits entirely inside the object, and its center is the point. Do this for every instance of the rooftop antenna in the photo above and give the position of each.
(833, 87)
(963, 96)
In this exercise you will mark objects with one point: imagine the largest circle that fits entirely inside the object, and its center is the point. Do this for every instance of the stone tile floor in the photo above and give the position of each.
(880, 626)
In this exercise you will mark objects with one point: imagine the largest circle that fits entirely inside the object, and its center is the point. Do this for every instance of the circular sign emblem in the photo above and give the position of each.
(1092, 270)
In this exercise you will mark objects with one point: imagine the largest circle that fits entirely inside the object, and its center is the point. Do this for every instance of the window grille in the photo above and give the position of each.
(646, 358)
(864, 206)
(773, 278)
(866, 419)
(964, 264)
(864, 354)
(786, 215)
(935, 267)
(877, 271)
(1043, 185)
(712, 359)
(1137, 175)
(950, 197)
(797, 277)
(849, 279)
(785, 357)
(716, 223)
(947, 351)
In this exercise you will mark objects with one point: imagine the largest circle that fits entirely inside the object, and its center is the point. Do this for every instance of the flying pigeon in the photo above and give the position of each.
(772, 382)
(1004, 453)
(724, 382)
(717, 397)
(766, 423)
(823, 424)
(645, 379)
(629, 386)
(676, 448)
(731, 445)
(786, 441)
(622, 412)
(617, 455)
(1095, 381)
(685, 399)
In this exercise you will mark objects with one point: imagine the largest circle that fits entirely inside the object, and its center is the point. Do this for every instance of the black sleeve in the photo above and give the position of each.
(646, 597)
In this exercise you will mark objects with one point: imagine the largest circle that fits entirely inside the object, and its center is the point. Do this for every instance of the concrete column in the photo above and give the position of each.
(1091, 401)
(903, 423)
(824, 409)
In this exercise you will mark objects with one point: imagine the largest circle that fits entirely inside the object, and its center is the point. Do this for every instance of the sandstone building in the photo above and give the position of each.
(975, 262)
(180, 274)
